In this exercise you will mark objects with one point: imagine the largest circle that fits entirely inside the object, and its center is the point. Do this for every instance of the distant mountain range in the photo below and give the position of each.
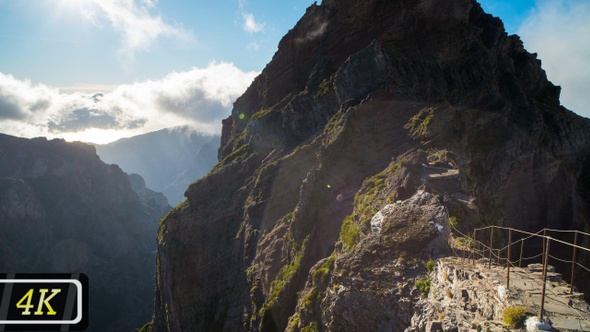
(63, 210)
(169, 159)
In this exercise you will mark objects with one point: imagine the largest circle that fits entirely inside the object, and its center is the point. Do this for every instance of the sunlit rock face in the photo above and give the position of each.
(425, 104)
(62, 210)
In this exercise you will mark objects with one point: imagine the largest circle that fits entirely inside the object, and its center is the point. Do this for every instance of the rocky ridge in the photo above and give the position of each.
(357, 106)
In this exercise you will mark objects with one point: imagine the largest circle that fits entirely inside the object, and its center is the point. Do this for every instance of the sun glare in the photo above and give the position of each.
(95, 136)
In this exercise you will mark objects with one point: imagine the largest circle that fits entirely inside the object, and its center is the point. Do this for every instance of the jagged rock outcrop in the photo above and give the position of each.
(62, 210)
(366, 103)
(154, 199)
(370, 287)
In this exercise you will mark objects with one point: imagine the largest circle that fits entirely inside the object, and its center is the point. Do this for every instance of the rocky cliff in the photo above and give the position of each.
(62, 210)
(375, 122)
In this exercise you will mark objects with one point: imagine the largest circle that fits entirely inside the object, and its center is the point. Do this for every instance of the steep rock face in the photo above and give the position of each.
(62, 210)
(366, 104)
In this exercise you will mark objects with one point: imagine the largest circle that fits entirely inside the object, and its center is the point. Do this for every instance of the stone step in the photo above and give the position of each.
(570, 323)
(536, 267)
(551, 276)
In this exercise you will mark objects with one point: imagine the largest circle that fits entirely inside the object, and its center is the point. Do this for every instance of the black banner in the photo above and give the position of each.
(43, 302)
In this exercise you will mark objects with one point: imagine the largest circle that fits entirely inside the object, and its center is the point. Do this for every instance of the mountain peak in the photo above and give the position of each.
(375, 124)
(443, 51)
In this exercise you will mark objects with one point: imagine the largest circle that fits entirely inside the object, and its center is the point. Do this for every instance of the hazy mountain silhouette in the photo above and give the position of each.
(169, 159)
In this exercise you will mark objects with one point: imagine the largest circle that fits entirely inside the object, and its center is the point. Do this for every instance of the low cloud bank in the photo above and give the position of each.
(559, 31)
(200, 97)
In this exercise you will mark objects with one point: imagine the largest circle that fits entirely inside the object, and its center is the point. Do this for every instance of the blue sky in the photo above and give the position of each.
(97, 70)
(68, 42)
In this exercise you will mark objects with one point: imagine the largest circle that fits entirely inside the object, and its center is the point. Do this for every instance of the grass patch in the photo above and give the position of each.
(294, 322)
(514, 316)
(239, 153)
(321, 275)
(323, 89)
(420, 122)
(312, 327)
(430, 265)
(438, 156)
(285, 274)
(350, 234)
(368, 200)
(312, 297)
(260, 114)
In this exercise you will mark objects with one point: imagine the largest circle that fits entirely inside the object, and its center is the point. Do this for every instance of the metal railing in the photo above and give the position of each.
(475, 247)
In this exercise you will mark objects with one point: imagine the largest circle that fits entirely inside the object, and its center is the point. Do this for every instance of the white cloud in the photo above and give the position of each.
(559, 31)
(250, 24)
(138, 27)
(16, 105)
(201, 97)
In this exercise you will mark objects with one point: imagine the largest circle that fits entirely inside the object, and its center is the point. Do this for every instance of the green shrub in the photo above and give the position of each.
(430, 265)
(423, 285)
(465, 242)
(514, 316)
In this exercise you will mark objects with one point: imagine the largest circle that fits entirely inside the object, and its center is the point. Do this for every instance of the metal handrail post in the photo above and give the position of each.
(473, 244)
(544, 245)
(548, 242)
(573, 263)
(491, 248)
(463, 254)
(521, 250)
(508, 259)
